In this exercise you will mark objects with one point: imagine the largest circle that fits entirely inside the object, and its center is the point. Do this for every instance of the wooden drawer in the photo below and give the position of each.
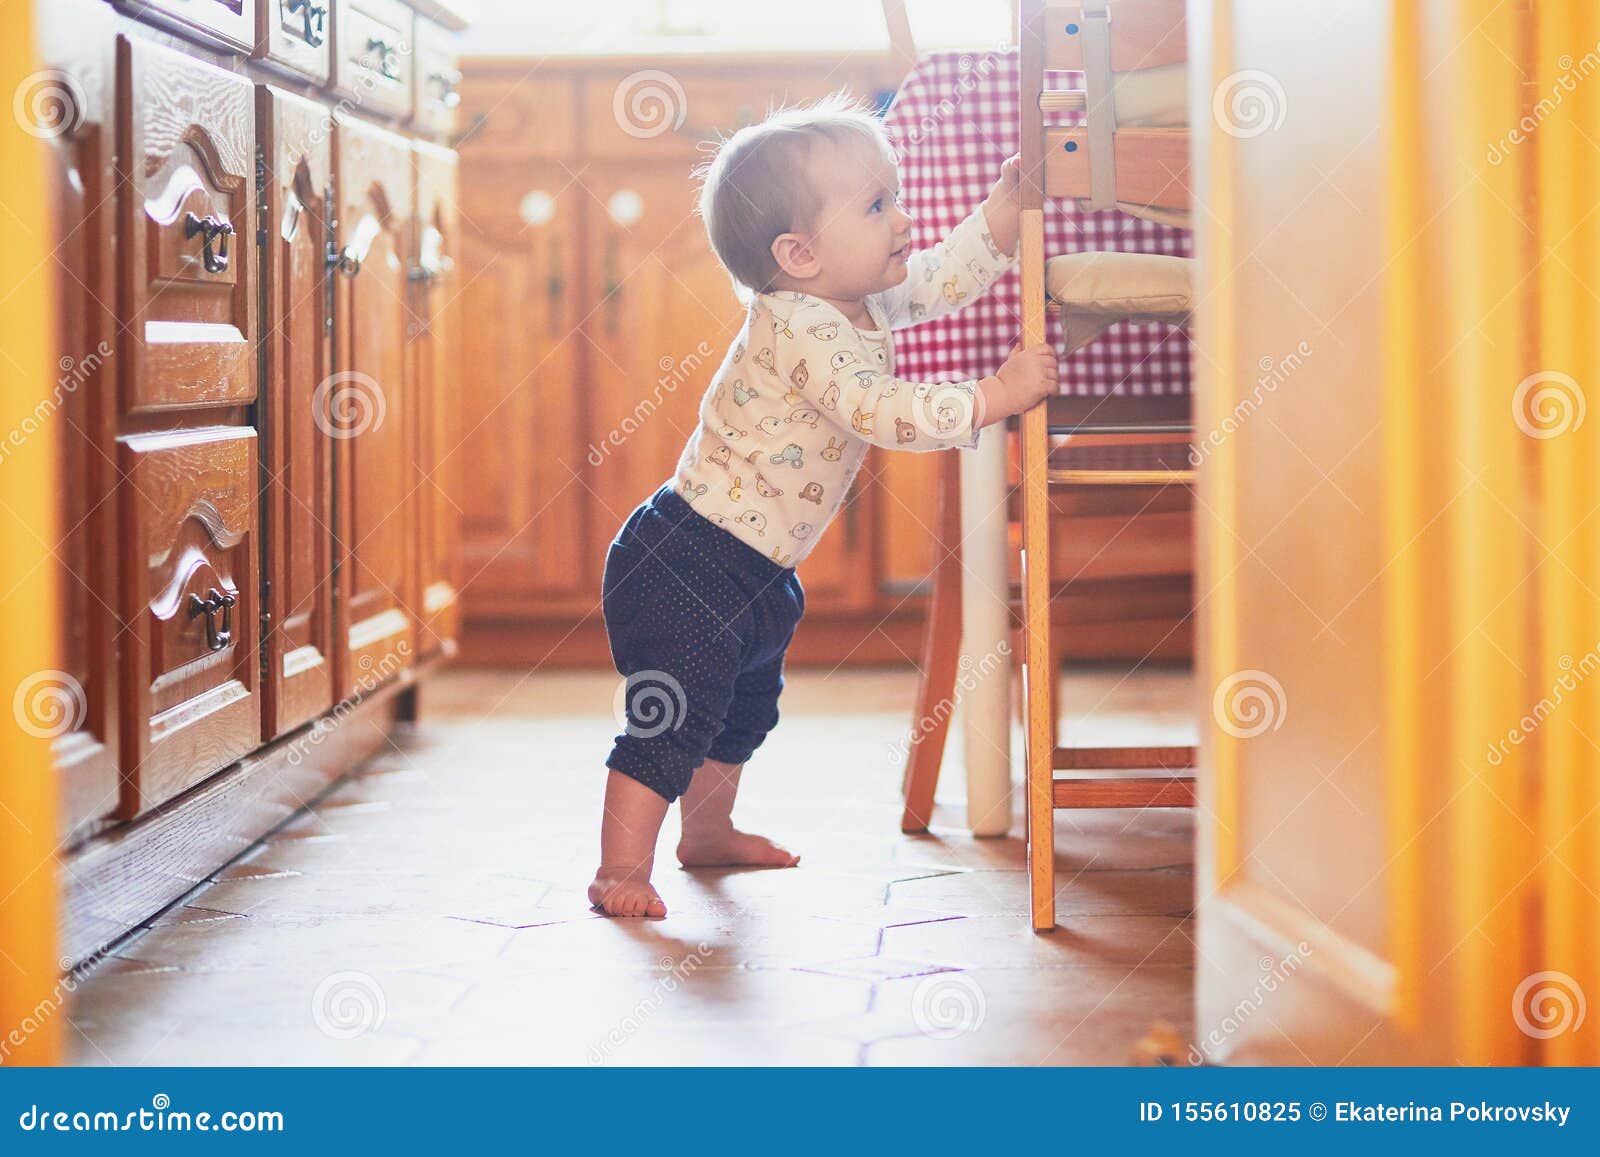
(296, 34)
(188, 517)
(186, 172)
(231, 21)
(373, 46)
(436, 82)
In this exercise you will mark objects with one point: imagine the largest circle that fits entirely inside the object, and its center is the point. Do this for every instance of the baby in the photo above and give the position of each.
(700, 593)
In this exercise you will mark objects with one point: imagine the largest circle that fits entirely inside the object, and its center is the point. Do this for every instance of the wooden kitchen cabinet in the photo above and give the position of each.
(369, 409)
(188, 510)
(258, 531)
(298, 635)
(186, 140)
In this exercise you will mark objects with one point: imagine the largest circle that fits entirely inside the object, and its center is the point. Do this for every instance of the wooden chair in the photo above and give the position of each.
(1143, 169)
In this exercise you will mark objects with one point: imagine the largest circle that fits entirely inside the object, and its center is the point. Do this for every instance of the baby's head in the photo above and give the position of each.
(808, 200)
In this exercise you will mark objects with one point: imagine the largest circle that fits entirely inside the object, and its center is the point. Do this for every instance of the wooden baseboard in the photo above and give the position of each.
(120, 880)
(854, 640)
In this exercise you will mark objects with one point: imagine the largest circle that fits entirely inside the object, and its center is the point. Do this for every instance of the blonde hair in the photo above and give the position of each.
(755, 188)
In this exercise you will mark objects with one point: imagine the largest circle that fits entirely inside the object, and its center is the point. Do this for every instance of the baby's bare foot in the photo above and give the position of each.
(625, 894)
(733, 848)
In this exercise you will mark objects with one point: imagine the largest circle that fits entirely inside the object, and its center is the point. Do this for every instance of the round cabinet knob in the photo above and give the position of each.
(537, 208)
(625, 207)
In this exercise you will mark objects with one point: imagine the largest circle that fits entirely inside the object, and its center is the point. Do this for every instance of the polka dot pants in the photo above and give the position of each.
(698, 623)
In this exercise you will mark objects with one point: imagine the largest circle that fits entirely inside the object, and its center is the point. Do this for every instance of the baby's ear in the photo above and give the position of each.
(794, 255)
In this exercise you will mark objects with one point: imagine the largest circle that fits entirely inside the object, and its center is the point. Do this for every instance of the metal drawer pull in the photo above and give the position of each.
(388, 57)
(449, 85)
(214, 230)
(216, 639)
(314, 15)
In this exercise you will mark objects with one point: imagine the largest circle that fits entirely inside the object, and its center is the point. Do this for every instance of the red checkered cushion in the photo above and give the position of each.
(953, 122)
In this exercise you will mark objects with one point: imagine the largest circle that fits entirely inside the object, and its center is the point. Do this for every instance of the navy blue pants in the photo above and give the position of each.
(698, 623)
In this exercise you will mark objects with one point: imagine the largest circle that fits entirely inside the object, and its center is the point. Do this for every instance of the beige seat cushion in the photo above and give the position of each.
(1096, 290)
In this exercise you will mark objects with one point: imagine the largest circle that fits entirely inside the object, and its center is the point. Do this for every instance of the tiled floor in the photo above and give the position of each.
(431, 911)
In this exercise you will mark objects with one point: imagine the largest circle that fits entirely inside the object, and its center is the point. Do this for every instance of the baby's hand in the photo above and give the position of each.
(1027, 378)
(1002, 209)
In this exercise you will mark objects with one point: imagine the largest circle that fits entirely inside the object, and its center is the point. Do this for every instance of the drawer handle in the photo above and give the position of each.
(449, 87)
(388, 57)
(214, 231)
(216, 639)
(314, 16)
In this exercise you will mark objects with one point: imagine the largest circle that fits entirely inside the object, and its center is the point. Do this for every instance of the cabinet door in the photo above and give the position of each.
(187, 173)
(436, 373)
(662, 317)
(188, 515)
(368, 410)
(298, 495)
(524, 508)
(69, 109)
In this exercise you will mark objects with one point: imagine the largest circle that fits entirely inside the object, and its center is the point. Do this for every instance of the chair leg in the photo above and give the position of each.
(1037, 657)
(941, 658)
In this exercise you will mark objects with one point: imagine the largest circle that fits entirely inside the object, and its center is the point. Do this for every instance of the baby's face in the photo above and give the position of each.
(861, 237)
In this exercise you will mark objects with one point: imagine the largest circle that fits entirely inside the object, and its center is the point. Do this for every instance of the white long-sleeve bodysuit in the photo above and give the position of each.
(788, 417)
